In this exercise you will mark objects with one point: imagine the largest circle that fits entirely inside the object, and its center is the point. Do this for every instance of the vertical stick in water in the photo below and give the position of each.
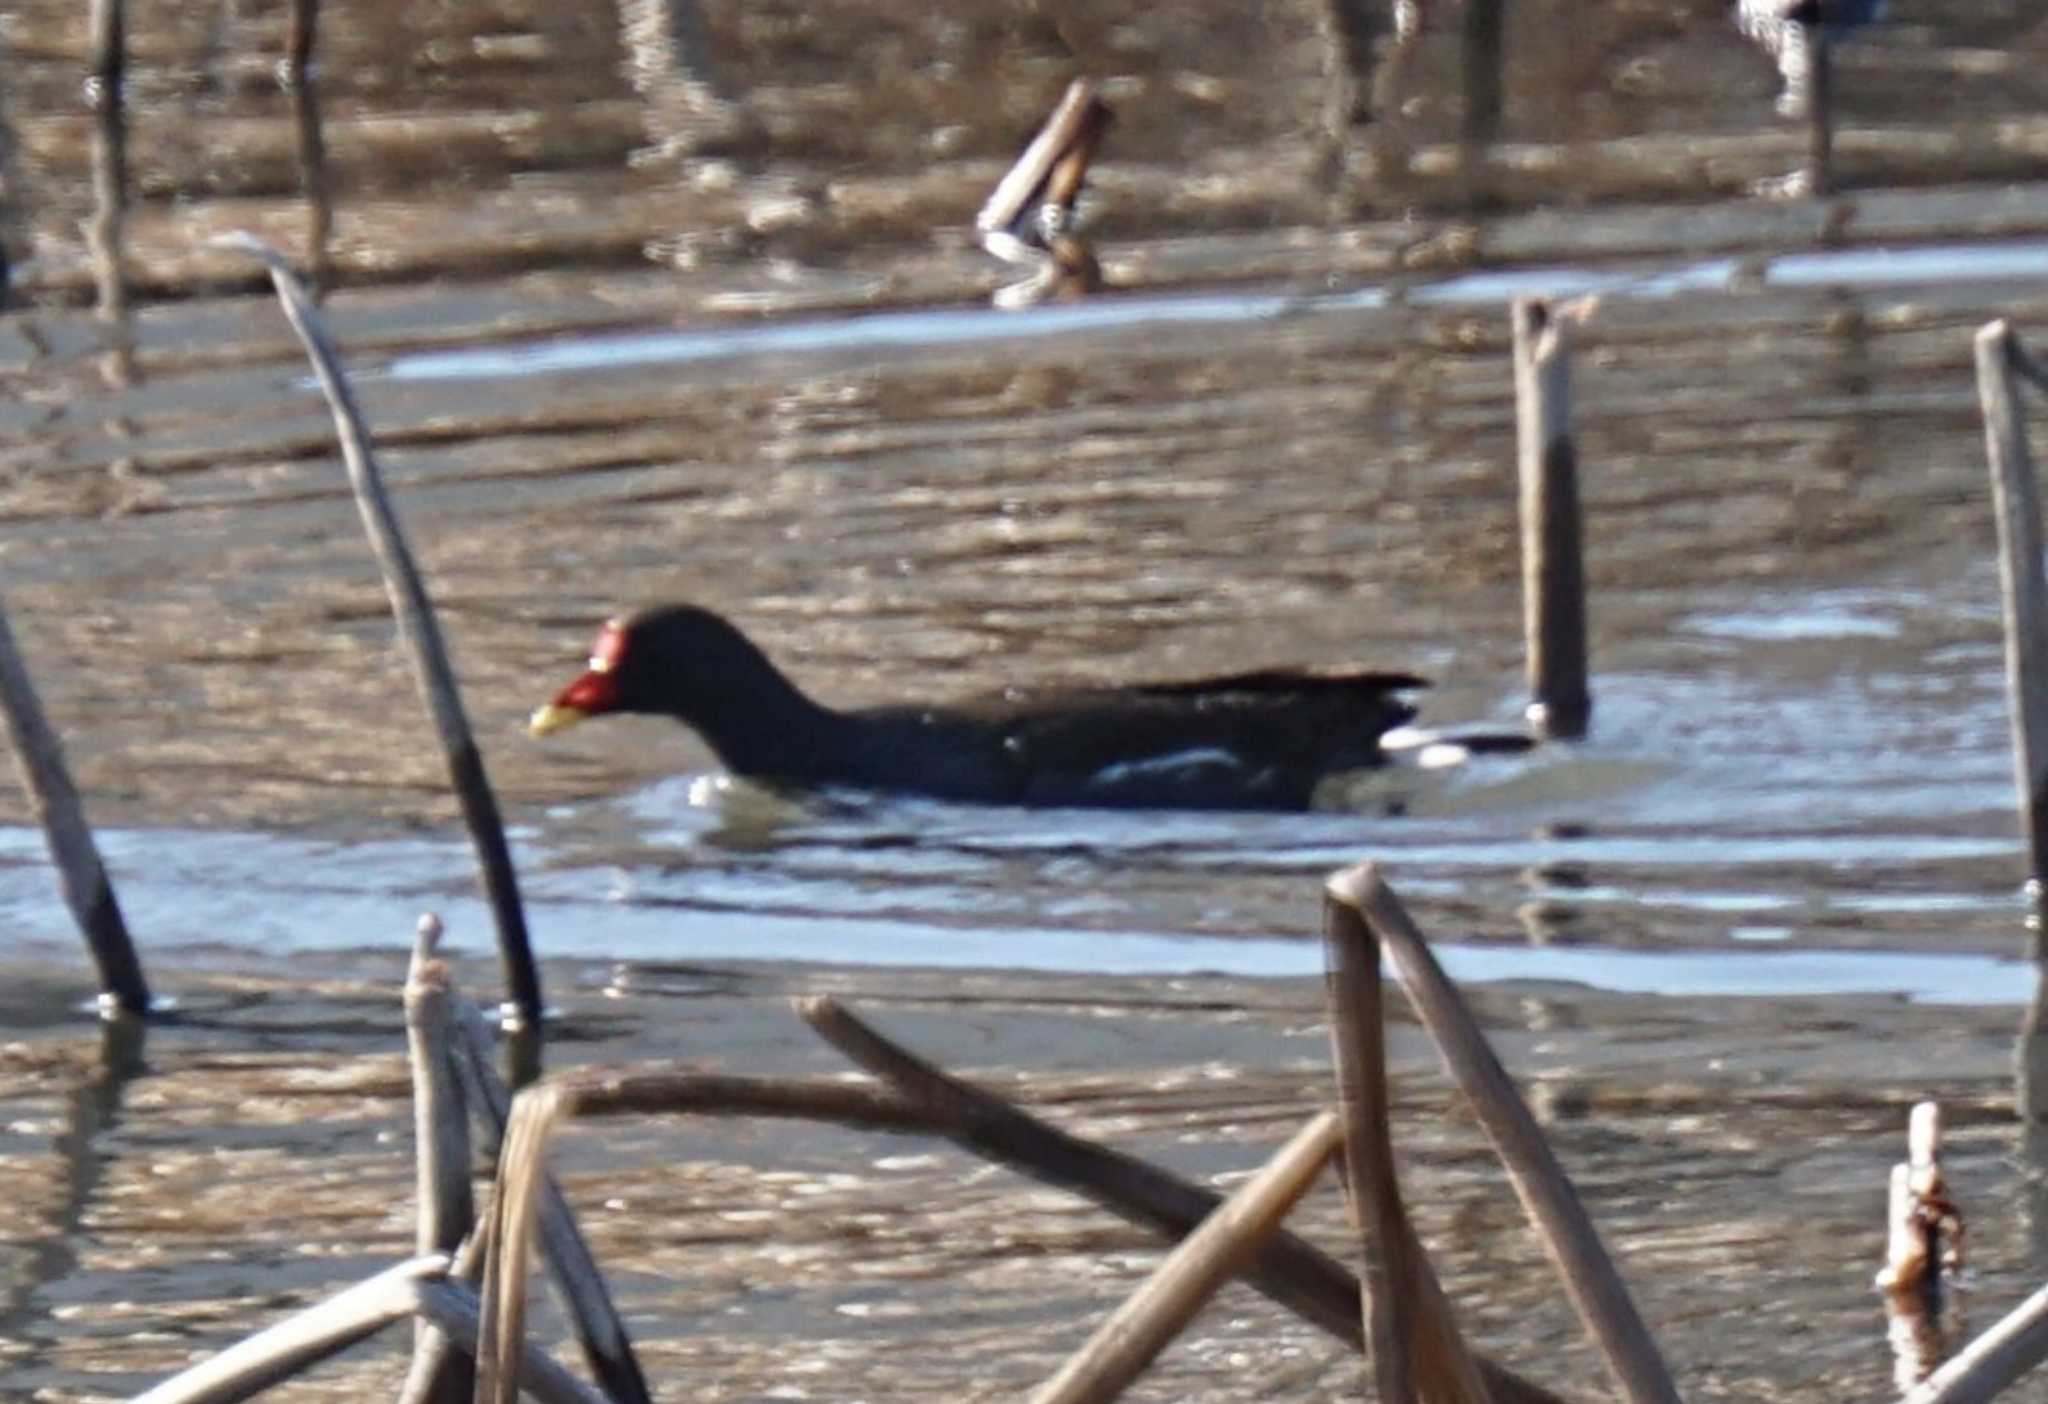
(1553, 567)
(109, 157)
(2024, 595)
(446, 1207)
(1820, 106)
(298, 76)
(40, 758)
(606, 1346)
(1482, 44)
(1591, 1282)
(1413, 1339)
(1358, 1051)
(420, 629)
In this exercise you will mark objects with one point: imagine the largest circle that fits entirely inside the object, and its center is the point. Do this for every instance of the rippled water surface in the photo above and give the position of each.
(631, 330)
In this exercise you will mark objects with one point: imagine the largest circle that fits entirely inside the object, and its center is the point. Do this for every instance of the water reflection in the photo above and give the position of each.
(106, 232)
(298, 77)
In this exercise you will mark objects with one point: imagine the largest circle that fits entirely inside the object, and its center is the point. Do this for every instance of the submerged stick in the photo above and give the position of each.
(1294, 1273)
(420, 630)
(1590, 1279)
(1553, 564)
(600, 1330)
(304, 1338)
(2023, 595)
(447, 1208)
(1415, 1346)
(39, 757)
(1135, 1333)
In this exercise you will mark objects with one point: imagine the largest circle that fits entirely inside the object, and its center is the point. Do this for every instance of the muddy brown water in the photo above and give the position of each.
(1726, 942)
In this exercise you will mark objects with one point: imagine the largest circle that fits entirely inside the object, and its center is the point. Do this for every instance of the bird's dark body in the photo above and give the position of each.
(1254, 740)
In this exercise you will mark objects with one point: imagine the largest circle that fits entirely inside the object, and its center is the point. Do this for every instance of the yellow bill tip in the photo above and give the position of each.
(554, 717)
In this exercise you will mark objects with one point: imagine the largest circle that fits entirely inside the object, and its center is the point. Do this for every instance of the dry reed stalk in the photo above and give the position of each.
(1590, 1279)
(39, 757)
(302, 1339)
(1924, 1245)
(2015, 499)
(1416, 1349)
(1044, 170)
(1134, 1334)
(1553, 563)
(447, 1208)
(1911, 1329)
(1294, 1273)
(600, 1330)
(600, 1093)
(420, 630)
(515, 1212)
(454, 1308)
(1924, 1229)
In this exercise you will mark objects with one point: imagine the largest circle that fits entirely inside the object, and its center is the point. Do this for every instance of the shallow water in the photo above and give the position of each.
(1800, 732)
(1725, 941)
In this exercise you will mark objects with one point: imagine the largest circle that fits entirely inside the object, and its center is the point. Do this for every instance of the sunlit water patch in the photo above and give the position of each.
(1826, 776)
(284, 896)
(980, 327)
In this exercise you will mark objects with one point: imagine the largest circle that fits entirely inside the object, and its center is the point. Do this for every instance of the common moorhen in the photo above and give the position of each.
(1256, 740)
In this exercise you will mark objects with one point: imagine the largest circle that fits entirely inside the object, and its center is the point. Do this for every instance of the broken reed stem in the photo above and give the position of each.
(1415, 1346)
(304, 1338)
(446, 1205)
(1590, 1280)
(1075, 125)
(1358, 1050)
(1905, 1250)
(456, 1310)
(2012, 1347)
(419, 629)
(522, 1182)
(1292, 1272)
(39, 757)
(1553, 559)
(1134, 1334)
(1910, 1326)
(2023, 594)
(600, 1330)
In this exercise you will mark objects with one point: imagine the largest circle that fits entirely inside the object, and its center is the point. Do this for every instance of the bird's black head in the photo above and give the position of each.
(670, 660)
